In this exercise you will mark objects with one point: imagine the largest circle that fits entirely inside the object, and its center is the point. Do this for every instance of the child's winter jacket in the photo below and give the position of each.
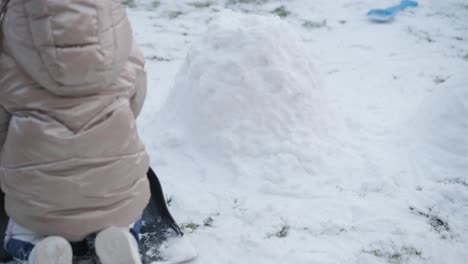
(72, 83)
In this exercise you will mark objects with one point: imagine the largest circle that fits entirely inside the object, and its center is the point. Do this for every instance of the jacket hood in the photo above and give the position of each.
(72, 47)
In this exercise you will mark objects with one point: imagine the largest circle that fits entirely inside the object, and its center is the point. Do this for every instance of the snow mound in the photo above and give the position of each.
(248, 90)
(441, 129)
(439, 157)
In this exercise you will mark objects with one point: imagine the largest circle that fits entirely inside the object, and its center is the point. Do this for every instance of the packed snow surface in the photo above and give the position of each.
(317, 137)
(248, 94)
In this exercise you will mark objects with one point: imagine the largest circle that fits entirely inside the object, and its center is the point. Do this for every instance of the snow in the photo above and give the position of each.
(177, 250)
(249, 95)
(316, 138)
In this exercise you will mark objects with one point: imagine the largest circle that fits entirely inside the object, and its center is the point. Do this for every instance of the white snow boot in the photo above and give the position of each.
(116, 245)
(51, 250)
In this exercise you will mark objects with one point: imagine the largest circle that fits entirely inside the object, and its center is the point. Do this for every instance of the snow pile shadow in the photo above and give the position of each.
(248, 94)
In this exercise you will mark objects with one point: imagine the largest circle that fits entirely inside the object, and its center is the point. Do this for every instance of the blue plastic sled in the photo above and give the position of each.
(388, 14)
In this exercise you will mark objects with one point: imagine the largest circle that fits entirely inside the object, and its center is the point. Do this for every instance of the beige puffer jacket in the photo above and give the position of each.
(72, 83)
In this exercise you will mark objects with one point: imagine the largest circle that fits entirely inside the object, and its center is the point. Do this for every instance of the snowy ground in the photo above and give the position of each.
(381, 175)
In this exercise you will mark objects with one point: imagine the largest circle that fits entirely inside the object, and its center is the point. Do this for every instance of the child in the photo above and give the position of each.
(72, 83)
